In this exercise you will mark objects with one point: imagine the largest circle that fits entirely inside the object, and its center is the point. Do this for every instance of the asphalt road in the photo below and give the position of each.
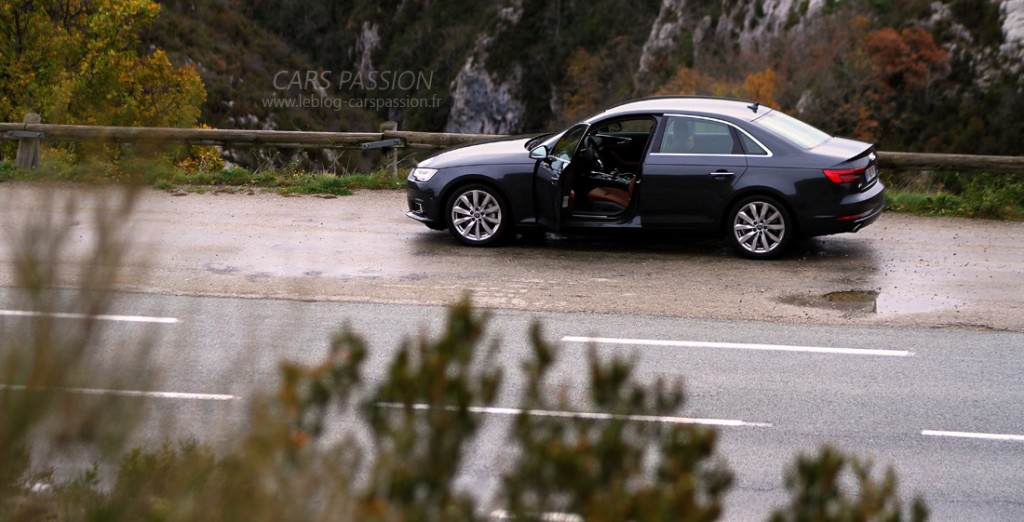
(901, 270)
(925, 378)
(879, 397)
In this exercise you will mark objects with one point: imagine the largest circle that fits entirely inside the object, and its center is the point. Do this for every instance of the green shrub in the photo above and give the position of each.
(317, 184)
(6, 171)
(233, 176)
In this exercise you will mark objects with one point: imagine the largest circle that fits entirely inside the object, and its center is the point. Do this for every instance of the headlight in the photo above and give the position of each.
(421, 174)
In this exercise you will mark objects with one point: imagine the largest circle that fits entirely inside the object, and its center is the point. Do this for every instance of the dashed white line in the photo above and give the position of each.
(134, 393)
(64, 315)
(739, 346)
(550, 516)
(969, 435)
(592, 416)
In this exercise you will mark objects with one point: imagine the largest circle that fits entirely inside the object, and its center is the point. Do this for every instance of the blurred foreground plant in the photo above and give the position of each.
(819, 489)
(622, 464)
(50, 361)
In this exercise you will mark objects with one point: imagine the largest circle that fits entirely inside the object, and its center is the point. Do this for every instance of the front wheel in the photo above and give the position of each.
(760, 227)
(478, 215)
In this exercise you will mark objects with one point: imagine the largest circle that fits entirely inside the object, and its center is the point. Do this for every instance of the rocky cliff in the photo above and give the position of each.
(509, 66)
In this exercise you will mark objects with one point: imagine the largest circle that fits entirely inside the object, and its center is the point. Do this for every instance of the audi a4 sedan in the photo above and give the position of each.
(674, 165)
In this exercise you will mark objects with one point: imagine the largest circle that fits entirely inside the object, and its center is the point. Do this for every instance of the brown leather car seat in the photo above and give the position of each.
(614, 195)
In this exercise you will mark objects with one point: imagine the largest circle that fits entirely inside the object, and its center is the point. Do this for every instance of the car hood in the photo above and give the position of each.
(509, 151)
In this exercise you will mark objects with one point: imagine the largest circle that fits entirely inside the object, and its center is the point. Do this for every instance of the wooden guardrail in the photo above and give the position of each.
(30, 132)
(922, 161)
(234, 137)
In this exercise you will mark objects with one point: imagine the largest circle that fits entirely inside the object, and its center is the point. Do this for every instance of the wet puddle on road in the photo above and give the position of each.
(872, 301)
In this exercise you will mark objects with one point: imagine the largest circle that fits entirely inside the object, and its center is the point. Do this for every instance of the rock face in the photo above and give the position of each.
(751, 22)
(366, 44)
(1013, 23)
(661, 42)
(481, 102)
(748, 23)
(486, 102)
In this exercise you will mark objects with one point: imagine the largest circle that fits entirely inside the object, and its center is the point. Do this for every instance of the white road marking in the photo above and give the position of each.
(968, 435)
(135, 393)
(739, 346)
(62, 315)
(590, 415)
(551, 516)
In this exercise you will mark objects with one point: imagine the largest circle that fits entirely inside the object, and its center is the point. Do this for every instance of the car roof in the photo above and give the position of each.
(739, 109)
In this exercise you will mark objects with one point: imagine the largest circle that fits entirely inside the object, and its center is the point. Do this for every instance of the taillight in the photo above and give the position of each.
(844, 175)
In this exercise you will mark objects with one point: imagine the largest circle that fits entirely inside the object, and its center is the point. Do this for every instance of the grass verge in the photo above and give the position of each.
(164, 176)
(989, 196)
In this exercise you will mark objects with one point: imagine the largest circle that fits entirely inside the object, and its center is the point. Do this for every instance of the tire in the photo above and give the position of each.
(477, 215)
(760, 227)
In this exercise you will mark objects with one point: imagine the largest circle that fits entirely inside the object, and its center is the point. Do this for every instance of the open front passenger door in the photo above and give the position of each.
(553, 182)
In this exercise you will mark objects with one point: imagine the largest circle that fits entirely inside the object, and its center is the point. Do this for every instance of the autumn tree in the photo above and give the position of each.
(688, 81)
(584, 89)
(760, 87)
(79, 61)
(905, 65)
(685, 81)
(593, 81)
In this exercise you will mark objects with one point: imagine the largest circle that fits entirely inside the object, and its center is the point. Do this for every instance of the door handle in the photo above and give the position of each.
(722, 174)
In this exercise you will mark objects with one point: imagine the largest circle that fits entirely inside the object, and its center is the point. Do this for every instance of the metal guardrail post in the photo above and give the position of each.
(28, 146)
(391, 153)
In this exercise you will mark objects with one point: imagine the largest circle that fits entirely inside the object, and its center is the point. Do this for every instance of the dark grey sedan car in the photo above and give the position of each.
(681, 165)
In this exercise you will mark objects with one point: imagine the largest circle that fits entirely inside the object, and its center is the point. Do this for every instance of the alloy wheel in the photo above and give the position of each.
(476, 215)
(759, 227)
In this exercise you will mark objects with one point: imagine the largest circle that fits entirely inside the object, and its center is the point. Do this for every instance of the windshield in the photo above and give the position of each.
(792, 130)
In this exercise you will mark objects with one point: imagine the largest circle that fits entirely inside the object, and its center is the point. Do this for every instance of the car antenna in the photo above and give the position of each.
(754, 106)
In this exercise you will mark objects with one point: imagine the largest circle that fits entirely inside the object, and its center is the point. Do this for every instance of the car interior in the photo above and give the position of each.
(612, 155)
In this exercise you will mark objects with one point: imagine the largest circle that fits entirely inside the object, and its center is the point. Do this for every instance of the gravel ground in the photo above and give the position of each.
(940, 272)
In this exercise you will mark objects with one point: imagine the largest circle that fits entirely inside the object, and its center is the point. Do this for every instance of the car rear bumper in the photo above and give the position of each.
(853, 213)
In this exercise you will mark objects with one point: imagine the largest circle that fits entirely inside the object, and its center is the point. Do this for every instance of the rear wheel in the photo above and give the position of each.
(477, 215)
(760, 227)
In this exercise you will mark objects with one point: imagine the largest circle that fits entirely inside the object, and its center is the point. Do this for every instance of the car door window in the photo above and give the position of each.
(685, 135)
(567, 144)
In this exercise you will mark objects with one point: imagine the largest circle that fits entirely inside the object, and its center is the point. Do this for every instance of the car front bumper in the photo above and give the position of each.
(424, 206)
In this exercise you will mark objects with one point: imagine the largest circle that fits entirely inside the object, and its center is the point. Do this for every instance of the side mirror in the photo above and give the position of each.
(539, 153)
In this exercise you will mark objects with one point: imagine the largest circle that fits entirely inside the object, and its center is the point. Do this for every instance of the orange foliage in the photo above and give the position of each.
(685, 81)
(909, 58)
(760, 87)
(584, 87)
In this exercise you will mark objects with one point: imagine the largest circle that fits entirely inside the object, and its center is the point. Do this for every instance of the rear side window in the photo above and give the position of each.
(751, 146)
(792, 130)
(684, 135)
